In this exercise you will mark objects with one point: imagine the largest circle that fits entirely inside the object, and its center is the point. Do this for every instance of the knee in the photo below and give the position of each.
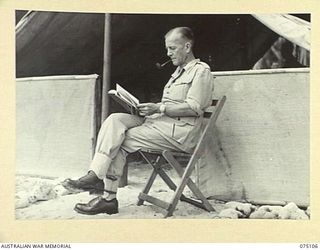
(114, 117)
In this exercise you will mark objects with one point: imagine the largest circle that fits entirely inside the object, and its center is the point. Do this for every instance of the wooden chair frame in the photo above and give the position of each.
(184, 173)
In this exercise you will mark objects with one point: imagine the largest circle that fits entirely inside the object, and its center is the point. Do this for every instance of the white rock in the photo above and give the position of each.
(291, 211)
(32, 199)
(22, 202)
(244, 208)
(263, 213)
(60, 190)
(299, 215)
(257, 214)
(23, 199)
(292, 207)
(273, 209)
(21, 194)
(230, 213)
(42, 192)
(284, 214)
(269, 215)
(57, 181)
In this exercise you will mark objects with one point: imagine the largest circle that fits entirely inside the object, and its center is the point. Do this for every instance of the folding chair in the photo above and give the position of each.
(185, 173)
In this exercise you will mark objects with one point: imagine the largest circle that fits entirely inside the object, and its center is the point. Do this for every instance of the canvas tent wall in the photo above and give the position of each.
(260, 149)
(57, 121)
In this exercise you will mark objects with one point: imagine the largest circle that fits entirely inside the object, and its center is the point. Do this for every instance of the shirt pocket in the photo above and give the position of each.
(180, 87)
(181, 131)
(179, 91)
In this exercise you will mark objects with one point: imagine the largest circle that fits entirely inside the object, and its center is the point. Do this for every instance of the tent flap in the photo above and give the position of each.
(290, 27)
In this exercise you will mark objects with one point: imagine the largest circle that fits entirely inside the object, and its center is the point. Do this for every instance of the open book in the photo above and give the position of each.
(125, 99)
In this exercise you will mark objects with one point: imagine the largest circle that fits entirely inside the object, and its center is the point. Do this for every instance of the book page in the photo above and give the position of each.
(126, 95)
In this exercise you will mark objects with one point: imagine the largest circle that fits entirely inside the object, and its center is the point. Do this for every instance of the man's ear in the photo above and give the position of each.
(188, 46)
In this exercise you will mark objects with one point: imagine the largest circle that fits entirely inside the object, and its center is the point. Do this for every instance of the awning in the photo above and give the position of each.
(290, 27)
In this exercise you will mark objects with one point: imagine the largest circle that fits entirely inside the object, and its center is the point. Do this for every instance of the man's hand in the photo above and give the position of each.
(148, 108)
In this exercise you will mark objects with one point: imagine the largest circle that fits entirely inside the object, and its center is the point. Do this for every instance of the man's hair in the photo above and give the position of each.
(185, 32)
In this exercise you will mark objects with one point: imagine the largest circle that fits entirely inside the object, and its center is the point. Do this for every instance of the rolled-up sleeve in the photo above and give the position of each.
(199, 95)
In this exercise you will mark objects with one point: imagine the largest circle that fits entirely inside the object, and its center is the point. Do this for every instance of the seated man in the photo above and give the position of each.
(174, 124)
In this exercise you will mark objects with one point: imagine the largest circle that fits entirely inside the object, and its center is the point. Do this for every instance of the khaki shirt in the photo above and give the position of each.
(192, 84)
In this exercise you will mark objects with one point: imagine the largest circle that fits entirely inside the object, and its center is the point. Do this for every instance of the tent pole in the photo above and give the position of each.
(106, 83)
(106, 67)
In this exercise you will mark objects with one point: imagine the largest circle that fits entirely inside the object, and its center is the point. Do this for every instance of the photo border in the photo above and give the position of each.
(146, 230)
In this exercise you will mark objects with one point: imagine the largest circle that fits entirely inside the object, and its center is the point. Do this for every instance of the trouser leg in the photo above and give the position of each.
(110, 138)
(135, 139)
(115, 171)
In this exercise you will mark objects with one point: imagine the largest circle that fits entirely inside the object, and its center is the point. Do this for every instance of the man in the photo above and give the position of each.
(173, 124)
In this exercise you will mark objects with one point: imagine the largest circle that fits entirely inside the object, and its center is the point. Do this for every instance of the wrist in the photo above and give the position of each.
(162, 108)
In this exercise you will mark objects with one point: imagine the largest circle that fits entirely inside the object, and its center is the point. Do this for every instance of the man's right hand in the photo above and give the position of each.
(148, 108)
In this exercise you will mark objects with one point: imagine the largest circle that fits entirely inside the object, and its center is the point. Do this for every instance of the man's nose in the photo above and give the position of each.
(169, 53)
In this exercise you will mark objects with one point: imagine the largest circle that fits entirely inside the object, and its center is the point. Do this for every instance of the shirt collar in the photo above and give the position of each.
(188, 66)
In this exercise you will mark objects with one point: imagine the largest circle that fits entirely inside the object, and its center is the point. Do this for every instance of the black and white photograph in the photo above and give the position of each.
(173, 121)
(159, 116)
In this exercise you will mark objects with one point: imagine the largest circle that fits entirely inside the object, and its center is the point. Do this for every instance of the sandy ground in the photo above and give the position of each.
(60, 205)
(43, 198)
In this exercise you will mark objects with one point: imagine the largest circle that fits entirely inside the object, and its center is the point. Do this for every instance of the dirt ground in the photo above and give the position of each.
(41, 198)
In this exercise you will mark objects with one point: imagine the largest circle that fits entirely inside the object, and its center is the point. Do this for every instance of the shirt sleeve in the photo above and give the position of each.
(199, 95)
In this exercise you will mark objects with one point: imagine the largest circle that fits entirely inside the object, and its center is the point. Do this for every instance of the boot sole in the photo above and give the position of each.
(94, 213)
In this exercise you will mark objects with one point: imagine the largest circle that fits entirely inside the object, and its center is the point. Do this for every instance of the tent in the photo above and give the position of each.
(294, 41)
(52, 43)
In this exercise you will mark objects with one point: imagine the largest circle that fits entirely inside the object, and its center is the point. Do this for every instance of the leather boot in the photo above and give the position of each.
(90, 182)
(98, 205)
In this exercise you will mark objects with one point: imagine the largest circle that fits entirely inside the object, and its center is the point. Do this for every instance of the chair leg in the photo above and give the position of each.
(175, 199)
(151, 178)
(193, 187)
(124, 178)
(148, 186)
(167, 179)
(184, 181)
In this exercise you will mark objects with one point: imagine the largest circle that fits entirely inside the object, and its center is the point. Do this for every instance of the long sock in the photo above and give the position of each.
(109, 196)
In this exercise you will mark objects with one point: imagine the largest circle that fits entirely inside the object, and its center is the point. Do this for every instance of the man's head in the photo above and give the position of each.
(179, 43)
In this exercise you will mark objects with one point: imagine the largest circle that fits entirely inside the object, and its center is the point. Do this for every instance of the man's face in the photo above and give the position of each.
(177, 49)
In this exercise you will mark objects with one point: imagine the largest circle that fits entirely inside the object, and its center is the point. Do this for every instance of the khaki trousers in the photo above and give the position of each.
(119, 135)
